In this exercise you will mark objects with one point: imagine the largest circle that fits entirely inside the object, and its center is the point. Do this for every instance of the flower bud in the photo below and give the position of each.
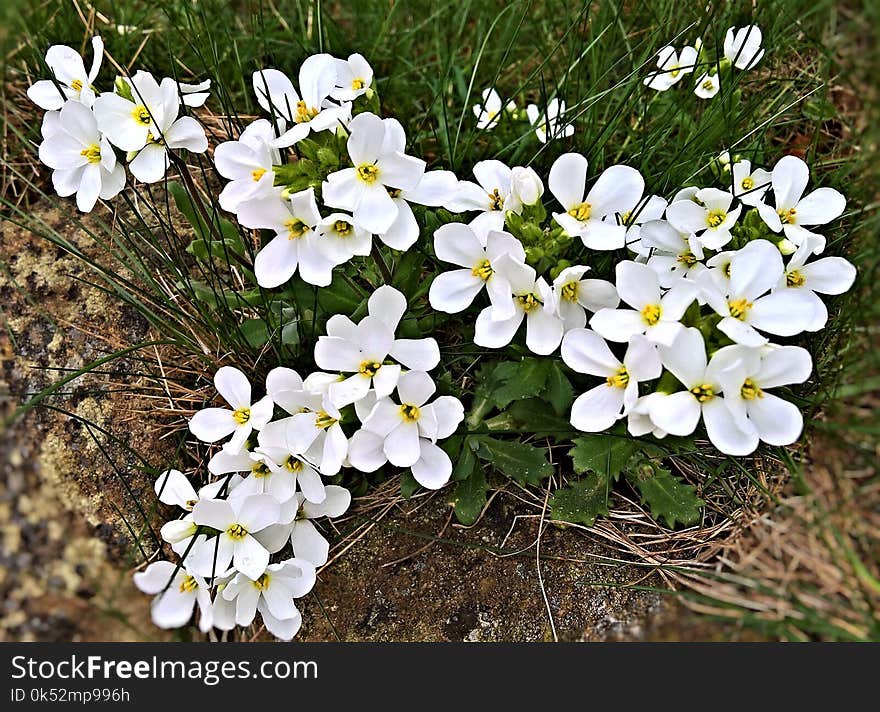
(526, 185)
(786, 246)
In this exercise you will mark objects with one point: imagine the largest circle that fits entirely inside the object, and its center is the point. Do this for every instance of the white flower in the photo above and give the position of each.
(755, 270)
(492, 195)
(645, 210)
(354, 76)
(405, 434)
(599, 408)
(82, 160)
(616, 191)
(654, 315)
(532, 300)
(454, 291)
(173, 488)
(679, 413)
(574, 296)
(361, 349)
(743, 46)
(793, 212)
(671, 67)
(710, 220)
(638, 421)
(194, 94)
(71, 79)
(673, 254)
(178, 593)
(829, 275)
(548, 123)
(237, 521)
(749, 185)
(489, 112)
(757, 412)
(526, 186)
(296, 242)
(312, 112)
(707, 86)
(149, 125)
(249, 164)
(379, 166)
(211, 424)
(272, 595)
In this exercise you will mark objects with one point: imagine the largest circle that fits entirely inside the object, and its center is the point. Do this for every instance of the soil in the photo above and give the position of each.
(72, 498)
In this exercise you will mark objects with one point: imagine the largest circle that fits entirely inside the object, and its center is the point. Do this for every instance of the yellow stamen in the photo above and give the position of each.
(188, 585)
(750, 390)
(369, 368)
(483, 270)
(651, 314)
(237, 532)
(92, 153)
(581, 212)
(76, 85)
(410, 412)
(368, 172)
(260, 469)
(674, 70)
(343, 228)
(496, 202)
(687, 259)
(625, 217)
(296, 228)
(304, 113)
(393, 192)
(787, 217)
(739, 308)
(794, 279)
(141, 114)
(620, 379)
(241, 415)
(358, 84)
(258, 173)
(708, 85)
(704, 392)
(715, 218)
(725, 269)
(190, 503)
(292, 464)
(570, 291)
(262, 583)
(747, 183)
(324, 420)
(528, 302)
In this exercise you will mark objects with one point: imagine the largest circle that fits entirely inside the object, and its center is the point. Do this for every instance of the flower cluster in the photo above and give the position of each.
(269, 474)
(82, 126)
(547, 122)
(742, 50)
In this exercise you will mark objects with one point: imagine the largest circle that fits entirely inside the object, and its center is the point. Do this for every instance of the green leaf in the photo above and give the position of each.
(582, 501)
(408, 484)
(603, 453)
(469, 497)
(558, 390)
(519, 461)
(668, 497)
(466, 463)
(519, 379)
(222, 227)
(538, 416)
(255, 332)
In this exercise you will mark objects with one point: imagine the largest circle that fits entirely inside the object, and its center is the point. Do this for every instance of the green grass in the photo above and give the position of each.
(431, 61)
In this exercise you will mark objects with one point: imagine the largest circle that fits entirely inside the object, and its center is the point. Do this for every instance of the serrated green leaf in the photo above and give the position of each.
(668, 497)
(519, 379)
(603, 453)
(521, 462)
(558, 390)
(469, 497)
(582, 501)
(538, 416)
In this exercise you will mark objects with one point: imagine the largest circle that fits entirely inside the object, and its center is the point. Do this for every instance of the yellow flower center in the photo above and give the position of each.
(358, 84)
(324, 420)
(483, 270)
(260, 469)
(393, 192)
(92, 153)
(188, 585)
(241, 415)
(620, 379)
(292, 464)
(687, 259)
(190, 503)
(715, 218)
(296, 228)
(409, 412)
(739, 308)
(674, 70)
(258, 173)
(343, 228)
(651, 314)
(496, 202)
(750, 390)
(725, 269)
(747, 183)
(141, 114)
(794, 279)
(708, 85)
(304, 113)
(528, 302)
(369, 368)
(262, 583)
(368, 172)
(625, 217)
(787, 217)
(704, 392)
(570, 291)
(237, 532)
(581, 212)
(76, 85)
